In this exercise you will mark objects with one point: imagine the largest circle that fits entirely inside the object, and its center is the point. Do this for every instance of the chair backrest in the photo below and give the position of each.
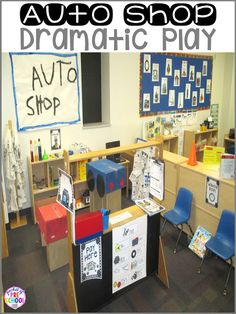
(183, 203)
(226, 226)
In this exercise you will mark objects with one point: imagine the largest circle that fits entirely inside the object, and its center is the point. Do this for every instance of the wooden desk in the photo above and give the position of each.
(194, 179)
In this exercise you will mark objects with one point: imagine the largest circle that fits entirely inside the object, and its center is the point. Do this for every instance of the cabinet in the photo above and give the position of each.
(201, 138)
(229, 144)
(43, 177)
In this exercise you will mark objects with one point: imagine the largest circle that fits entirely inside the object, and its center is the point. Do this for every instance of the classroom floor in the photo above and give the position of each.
(27, 268)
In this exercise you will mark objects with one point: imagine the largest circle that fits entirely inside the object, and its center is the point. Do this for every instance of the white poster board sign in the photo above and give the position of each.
(91, 259)
(212, 191)
(46, 89)
(129, 247)
(157, 179)
(65, 194)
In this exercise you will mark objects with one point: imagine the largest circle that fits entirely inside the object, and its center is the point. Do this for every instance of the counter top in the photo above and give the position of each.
(200, 168)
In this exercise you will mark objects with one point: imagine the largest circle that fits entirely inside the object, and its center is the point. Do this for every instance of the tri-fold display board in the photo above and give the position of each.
(174, 82)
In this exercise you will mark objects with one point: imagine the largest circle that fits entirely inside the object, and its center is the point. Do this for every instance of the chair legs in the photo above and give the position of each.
(163, 226)
(199, 268)
(191, 230)
(228, 275)
(181, 230)
(227, 279)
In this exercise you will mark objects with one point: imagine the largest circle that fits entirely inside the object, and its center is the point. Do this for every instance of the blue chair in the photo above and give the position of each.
(180, 214)
(222, 244)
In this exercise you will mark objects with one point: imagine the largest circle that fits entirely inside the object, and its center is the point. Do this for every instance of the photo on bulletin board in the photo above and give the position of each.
(174, 82)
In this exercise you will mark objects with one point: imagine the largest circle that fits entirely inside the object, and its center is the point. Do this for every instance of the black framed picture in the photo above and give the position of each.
(55, 139)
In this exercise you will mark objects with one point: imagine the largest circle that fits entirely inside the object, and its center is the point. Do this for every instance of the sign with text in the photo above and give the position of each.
(46, 89)
(91, 259)
(212, 191)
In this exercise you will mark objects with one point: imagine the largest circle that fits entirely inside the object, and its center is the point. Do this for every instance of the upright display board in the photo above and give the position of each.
(174, 82)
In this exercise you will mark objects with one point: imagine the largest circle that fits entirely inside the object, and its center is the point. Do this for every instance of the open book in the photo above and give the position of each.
(149, 206)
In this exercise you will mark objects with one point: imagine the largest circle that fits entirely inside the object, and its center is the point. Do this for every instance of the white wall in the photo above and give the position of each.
(125, 123)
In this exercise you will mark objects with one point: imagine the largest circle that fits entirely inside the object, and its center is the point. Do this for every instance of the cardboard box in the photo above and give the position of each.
(87, 225)
(106, 176)
(57, 254)
(111, 201)
(52, 222)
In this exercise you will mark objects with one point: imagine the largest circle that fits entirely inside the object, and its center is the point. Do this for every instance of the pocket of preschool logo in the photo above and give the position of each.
(15, 297)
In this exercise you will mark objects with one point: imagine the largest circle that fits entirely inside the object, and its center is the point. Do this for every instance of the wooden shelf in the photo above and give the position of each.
(45, 161)
(48, 189)
(204, 137)
(79, 181)
(229, 144)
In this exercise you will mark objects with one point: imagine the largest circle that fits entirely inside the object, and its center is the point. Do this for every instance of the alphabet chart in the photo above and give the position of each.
(45, 89)
(174, 82)
(129, 247)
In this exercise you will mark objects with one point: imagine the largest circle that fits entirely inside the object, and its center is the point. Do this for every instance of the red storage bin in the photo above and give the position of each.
(52, 222)
(88, 224)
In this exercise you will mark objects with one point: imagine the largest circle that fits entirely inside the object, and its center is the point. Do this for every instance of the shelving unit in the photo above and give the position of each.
(170, 143)
(229, 144)
(202, 138)
(43, 176)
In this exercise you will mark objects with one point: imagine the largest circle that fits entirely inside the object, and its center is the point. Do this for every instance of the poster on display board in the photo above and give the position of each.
(212, 191)
(129, 247)
(65, 194)
(91, 259)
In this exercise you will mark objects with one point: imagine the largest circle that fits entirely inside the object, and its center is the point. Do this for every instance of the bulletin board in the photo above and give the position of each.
(174, 82)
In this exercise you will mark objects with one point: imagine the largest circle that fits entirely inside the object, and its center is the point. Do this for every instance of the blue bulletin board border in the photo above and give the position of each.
(28, 128)
(162, 107)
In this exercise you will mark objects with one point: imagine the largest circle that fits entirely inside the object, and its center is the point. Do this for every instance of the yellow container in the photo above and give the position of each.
(82, 169)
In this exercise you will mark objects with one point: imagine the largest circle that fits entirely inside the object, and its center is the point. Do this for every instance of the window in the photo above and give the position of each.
(95, 88)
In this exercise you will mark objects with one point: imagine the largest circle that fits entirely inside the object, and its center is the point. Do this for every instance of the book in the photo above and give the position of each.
(149, 206)
(197, 244)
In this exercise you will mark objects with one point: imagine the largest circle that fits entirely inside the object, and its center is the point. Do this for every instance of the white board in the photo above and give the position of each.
(129, 247)
(46, 89)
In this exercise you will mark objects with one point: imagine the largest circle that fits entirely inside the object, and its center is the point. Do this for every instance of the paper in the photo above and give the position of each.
(212, 156)
(149, 206)
(140, 176)
(157, 179)
(227, 166)
(119, 218)
(129, 247)
(65, 194)
(91, 259)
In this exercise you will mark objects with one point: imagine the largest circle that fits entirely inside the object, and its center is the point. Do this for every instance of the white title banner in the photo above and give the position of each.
(108, 26)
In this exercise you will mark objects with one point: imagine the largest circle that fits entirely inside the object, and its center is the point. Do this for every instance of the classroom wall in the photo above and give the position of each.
(122, 73)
